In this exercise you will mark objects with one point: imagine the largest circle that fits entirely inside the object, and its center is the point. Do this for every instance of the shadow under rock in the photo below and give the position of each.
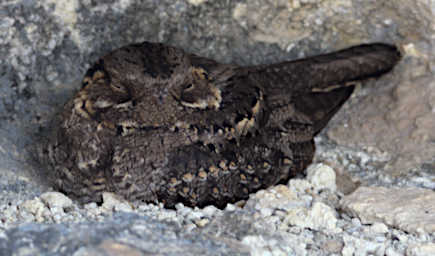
(24, 126)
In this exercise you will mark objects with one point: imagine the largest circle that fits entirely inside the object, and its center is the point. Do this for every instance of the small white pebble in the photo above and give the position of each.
(356, 222)
(230, 208)
(209, 210)
(184, 211)
(196, 2)
(379, 228)
(179, 206)
(90, 206)
(34, 206)
(321, 176)
(391, 252)
(195, 215)
(167, 215)
(113, 202)
(56, 211)
(190, 227)
(266, 212)
(56, 199)
(202, 222)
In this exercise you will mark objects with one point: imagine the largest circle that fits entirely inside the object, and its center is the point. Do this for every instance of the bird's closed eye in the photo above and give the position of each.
(118, 87)
(188, 87)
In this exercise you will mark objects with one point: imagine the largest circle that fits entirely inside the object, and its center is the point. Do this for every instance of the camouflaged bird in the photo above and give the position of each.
(154, 123)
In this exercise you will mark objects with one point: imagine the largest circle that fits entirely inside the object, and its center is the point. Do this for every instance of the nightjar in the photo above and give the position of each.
(154, 123)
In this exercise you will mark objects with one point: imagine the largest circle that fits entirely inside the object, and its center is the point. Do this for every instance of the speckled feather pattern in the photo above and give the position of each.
(154, 123)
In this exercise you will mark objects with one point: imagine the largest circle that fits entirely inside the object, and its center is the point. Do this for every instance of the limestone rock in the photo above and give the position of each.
(385, 128)
(423, 249)
(409, 209)
(358, 246)
(34, 206)
(115, 203)
(321, 176)
(56, 200)
(319, 217)
(196, 2)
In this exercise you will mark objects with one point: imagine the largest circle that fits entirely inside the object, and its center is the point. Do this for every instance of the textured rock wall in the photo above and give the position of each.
(384, 135)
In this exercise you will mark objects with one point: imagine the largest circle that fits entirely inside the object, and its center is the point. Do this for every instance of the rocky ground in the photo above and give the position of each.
(370, 192)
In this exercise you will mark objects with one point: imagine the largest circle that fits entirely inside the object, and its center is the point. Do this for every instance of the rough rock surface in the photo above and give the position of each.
(409, 209)
(425, 249)
(383, 136)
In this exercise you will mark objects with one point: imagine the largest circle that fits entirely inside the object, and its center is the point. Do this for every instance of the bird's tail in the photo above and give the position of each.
(323, 71)
(318, 86)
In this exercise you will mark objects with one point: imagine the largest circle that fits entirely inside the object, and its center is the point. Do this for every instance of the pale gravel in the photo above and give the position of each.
(293, 219)
(46, 46)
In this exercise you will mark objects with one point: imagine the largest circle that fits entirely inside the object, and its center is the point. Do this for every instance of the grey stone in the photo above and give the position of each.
(383, 135)
(319, 217)
(111, 247)
(358, 246)
(128, 233)
(378, 228)
(90, 206)
(333, 246)
(280, 197)
(344, 182)
(182, 210)
(210, 210)
(230, 207)
(34, 206)
(391, 252)
(296, 205)
(196, 2)
(195, 215)
(56, 200)
(426, 249)
(321, 177)
(409, 209)
(167, 215)
(113, 202)
(260, 246)
(202, 222)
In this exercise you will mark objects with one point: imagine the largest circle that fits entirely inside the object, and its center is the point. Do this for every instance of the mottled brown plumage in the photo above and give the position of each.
(154, 123)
